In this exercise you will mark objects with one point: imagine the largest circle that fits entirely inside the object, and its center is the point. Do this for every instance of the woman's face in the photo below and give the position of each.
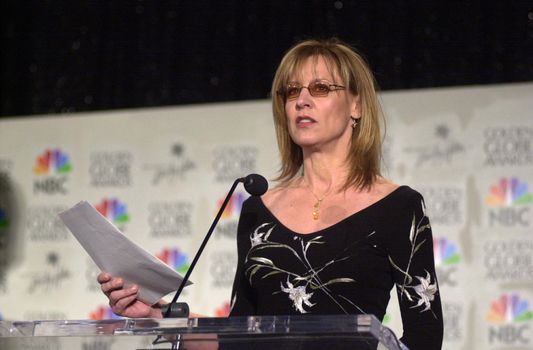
(323, 122)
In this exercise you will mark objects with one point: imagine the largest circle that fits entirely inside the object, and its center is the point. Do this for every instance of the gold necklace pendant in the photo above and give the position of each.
(316, 208)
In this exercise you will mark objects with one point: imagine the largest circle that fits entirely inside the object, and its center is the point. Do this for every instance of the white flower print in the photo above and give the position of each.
(426, 291)
(262, 267)
(298, 295)
(257, 237)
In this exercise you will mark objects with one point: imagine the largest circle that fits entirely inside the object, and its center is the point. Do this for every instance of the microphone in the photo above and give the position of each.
(255, 185)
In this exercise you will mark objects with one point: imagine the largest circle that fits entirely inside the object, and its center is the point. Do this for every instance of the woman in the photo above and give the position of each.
(334, 236)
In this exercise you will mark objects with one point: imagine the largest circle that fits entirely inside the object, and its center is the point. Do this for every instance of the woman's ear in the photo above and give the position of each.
(355, 107)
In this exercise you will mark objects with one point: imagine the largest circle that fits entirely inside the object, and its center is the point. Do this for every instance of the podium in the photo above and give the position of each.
(332, 332)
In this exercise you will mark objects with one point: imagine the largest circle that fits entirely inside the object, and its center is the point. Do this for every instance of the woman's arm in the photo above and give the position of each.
(412, 261)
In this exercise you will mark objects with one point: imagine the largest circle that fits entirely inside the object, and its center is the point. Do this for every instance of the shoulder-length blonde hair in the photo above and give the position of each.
(364, 157)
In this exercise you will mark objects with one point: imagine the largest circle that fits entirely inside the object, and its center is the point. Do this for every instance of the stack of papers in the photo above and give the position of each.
(115, 254)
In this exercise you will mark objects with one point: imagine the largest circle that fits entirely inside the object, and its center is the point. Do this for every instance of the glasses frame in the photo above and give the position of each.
(331, 87)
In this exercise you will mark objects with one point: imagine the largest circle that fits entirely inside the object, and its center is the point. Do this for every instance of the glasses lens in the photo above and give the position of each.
(319, 89)
(292, 91)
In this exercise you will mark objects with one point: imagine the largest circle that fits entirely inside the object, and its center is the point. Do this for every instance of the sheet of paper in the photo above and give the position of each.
(114, 253)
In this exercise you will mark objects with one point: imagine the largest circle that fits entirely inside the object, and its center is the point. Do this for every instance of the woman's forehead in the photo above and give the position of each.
(312, 68)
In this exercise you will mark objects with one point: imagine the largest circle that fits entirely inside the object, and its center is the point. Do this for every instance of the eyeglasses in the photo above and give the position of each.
(316, 89)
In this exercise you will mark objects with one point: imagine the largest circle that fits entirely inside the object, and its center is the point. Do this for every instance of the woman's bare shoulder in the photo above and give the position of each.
(278, 192)
(383, 187)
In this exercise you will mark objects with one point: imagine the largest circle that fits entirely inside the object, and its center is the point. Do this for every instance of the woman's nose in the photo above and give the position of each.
(304, 99)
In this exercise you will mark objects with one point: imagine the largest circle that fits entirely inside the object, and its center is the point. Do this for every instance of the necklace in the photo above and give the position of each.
(316, 206)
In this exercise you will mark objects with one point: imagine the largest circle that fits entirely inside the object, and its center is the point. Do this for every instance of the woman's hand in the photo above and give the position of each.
(124, 301)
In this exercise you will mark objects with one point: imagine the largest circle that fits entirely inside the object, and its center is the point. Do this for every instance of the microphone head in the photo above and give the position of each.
(255, 184)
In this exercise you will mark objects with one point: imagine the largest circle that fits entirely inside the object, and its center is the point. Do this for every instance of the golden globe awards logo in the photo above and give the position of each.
(230, 163)
(510, 317)
(170, 219)
(51, 168)
(444, 205)
(110, 169)
(453, 332)
(43, 224)
(222, 269)
(509, 199)
(508, 260)
(508, 146)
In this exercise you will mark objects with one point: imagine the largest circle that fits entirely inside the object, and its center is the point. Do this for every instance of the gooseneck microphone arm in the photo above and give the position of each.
(256, 185)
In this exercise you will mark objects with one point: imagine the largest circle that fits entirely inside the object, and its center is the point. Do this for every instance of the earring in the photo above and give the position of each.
(354, 122)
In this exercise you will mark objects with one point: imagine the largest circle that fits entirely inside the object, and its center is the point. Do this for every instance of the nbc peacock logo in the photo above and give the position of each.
(446, 260)
(52, 162)
(509, 308)
(175, 259)
(227, 227)
(103, 313)
(445, 252)
(4, 222)
(509, 192)
(51, 167)
(509, 317)
(508, 199)
(114, 210)
(233, 209)
(223, 310)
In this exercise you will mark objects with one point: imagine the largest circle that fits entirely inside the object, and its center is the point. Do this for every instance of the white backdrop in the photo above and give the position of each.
(160, 174)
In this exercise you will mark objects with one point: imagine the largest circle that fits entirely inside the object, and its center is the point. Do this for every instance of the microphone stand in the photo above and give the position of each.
(175, 309)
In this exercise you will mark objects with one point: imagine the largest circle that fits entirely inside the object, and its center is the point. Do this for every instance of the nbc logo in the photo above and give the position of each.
(445, 252)
(114, 210)
(52, 162)
(228, 225)
(223, 310)
(3, 219)
(509, 192)
(507, 200)
(509, 308)
(56, 164)
(175, 259)
(233, 209)
(510, 314)
(446, 260)
(103, 313)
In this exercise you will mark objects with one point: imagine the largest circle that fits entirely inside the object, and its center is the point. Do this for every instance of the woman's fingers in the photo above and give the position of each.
(112, 285)
(103, 277)
(116, 295)
(118, 306)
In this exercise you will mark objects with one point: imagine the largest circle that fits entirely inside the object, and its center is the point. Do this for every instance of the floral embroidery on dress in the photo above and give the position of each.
(425, 290)
(298, 295)
(299, 288)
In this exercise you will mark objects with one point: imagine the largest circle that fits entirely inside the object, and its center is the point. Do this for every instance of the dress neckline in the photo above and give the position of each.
(338, 223)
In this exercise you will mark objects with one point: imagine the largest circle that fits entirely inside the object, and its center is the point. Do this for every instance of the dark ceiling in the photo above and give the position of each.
(68, 56)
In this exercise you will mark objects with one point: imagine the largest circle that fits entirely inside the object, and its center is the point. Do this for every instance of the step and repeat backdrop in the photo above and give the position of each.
(160, 175)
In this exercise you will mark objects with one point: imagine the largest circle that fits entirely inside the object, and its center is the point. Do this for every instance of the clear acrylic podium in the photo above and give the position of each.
(307, 332)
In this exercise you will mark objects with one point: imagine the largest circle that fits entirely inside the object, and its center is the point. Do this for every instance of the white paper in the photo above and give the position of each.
(115, 254)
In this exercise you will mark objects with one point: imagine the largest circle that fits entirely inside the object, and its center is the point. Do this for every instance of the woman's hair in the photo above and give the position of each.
(364, 157)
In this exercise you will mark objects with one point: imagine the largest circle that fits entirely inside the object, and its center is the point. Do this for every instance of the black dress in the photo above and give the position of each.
(347, 268)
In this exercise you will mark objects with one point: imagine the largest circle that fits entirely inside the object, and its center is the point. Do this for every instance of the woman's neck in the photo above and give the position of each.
(323, 173)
